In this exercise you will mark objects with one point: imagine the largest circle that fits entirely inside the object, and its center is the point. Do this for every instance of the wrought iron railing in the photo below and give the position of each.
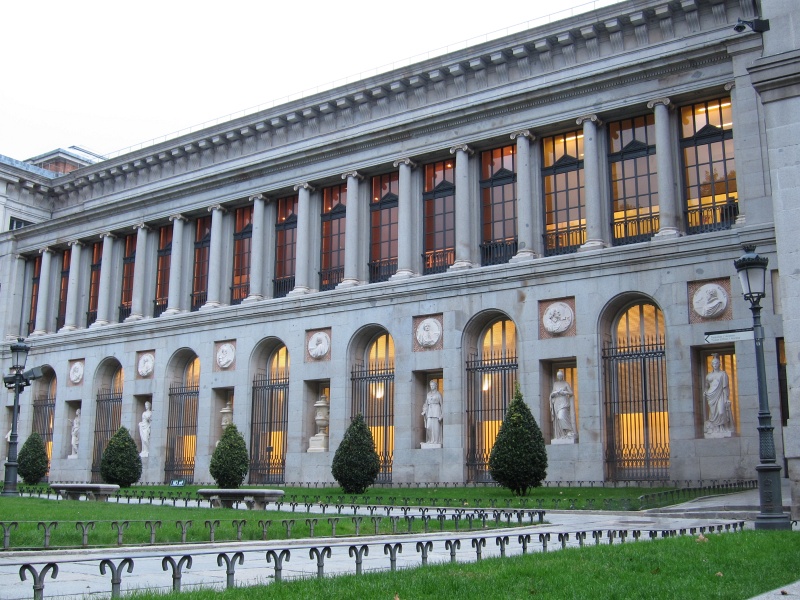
(437, 261)
(382, 270)
(281, 286)
(716, 217)
(564, 241)
(497, 252)
(330, 278)
(270, 416)
(632, 231)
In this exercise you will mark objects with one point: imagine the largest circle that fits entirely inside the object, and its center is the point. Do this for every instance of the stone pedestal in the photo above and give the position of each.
(319, 441)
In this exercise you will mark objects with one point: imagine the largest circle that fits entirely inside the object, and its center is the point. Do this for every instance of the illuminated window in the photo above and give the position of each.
(128, 263)
(34, 305)
(439, 203)
(94, 282)
(383, 227)
(163, 260)
(63, 287)
(202, 242)
(269, 420)
(285, 246)
(242, 243)
(191, 375)
(709, 170)
(634, 180)
(498, 205)
(564, 202)
(334, 201)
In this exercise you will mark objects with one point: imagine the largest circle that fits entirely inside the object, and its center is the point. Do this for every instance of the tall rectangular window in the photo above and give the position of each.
(383, 227)
(163, 261)
(242, 245)
(634, 180)
(285, 246)
(128, 263)
(564, 208)
(439, 223)
(202, 243)
(498, 205)
(709, 171)
(334, 202)
(63, 288)
(94, 282)
(37, 272)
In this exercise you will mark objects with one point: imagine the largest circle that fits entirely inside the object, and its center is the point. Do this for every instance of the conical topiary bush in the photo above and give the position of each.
(356, 463)
(32, 460)
(230, 462)
(120, 463)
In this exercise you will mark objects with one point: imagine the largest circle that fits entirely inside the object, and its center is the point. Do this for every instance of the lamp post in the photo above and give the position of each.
(16, 381)
(752, 270)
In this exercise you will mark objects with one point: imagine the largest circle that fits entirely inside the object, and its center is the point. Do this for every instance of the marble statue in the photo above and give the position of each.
(561, 398)
(144, 430)
(76, 431)
(432, 411)
(717, 396)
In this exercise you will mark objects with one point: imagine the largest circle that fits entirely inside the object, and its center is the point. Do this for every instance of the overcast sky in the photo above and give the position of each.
(109, 75)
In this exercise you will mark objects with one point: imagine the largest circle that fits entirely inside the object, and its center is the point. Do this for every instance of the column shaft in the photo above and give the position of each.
(214, 258)
(591, 173)
(43, 301)
(525, 230)
(463, 259)
(104, 292)
(353, 233)
(405, 225)
(176, 266)
(302, 271)
(70, 315)
(257, 251)
(137, 295)
(667, 209)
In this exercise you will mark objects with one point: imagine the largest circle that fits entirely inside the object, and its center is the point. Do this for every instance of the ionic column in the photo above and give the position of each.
(667, 208)
(137, 294)
(43, 300)
(463, 209)
(353, 232)
(257, 250)
(302, 270)
(104, 291)
(525, 229)
(591, 177)
(70, 314)
(214, 258)
(175, 266)
(405, 222)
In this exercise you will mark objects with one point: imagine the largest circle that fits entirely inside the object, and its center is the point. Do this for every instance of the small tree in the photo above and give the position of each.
(32, 460)
(120, 462)
(519, 458)
(356, 463)
(230, 462)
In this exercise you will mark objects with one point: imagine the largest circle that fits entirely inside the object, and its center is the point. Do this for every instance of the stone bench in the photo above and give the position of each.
(253, 498)
(93, 491)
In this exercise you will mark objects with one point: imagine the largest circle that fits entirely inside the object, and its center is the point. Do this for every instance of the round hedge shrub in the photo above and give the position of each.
(32, 460)
(230, 462)
(356, 463)
(120, 463)
(519, 458)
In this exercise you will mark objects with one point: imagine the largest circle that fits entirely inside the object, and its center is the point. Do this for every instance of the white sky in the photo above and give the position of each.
(106, 75)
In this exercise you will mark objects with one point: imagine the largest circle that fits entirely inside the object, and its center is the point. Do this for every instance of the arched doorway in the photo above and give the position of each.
(44, 405)
(372, 379)
(491, 373)
(636, 407)
(108, 412)
(181, 448)
(269, 419)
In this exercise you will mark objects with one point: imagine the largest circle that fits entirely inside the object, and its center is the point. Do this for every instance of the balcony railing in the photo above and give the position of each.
(382, 270)
(282, 286)
(159, 306)
(330, 278)
(438, 261)
(497, 252)
(564, 241)
(239, 292)
(716, 217)
(124, 312)
(631, 231)
(198, 299)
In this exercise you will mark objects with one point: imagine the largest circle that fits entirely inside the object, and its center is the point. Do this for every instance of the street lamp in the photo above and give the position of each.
(16, 381)
(752, 270)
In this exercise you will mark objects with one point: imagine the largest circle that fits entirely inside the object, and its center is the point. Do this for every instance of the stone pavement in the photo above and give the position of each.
(79, 576)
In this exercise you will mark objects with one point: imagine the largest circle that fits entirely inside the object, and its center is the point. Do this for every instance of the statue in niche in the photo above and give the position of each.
(717, 396)
(144, 430)
(76, 432)
(561, 408)
(432, 411)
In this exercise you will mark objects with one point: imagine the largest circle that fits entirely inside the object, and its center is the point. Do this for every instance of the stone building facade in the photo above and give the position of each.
(568, 198)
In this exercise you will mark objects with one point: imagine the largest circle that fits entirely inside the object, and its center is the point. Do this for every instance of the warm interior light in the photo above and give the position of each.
(487, 383)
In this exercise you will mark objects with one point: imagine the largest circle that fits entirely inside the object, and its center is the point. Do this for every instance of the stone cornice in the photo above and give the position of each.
(777, 77)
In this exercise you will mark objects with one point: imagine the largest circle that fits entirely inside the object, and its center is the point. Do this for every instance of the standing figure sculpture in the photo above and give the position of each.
(561, 408)
(717, 395)
(432, 411)
(76, 432)
(144, 430)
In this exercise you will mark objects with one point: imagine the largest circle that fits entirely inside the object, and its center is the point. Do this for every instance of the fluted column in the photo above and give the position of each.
(302, 269)
(139, 273)
(591, 178)
(667, 208)
(175, 266)
(525, 229)
(104, 291)
(214, 258)
(352, 246)
(463, 258)
(70, 314)
(257, 250)
(405, 222)
(43, 301)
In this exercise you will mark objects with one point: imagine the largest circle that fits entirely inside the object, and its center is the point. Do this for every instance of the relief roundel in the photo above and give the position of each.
(76, 372)
(710, 300)
(557, 318)
(319, 344)
(428, 332)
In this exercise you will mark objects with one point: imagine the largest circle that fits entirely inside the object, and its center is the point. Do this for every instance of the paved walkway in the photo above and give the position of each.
(79, 576)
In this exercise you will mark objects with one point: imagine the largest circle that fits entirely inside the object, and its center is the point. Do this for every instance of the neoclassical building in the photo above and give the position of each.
(559, 208)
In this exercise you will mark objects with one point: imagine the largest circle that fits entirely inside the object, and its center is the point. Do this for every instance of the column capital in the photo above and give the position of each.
(107, 234)
(255, 197)
(591, 118)
(141, 225)
(404, 161)
(658, 101)
(45, 250)
(730, 85)
(526, 133)
(353, 174)
(306, 186)
(177, 218)
(462, 148)
(218, 207)
(75, 243)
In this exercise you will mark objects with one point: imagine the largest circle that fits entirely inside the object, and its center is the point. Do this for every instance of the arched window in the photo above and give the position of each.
(270, 411)
(491, 374)
(636, 408)
(191, 375)
(44, 404)
(108, 414)
(181, 447)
